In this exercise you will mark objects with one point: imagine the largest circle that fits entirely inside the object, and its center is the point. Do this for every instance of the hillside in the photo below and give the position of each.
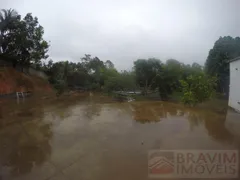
(12, 81)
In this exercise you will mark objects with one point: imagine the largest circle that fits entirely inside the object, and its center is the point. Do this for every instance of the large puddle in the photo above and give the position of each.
(89, 140)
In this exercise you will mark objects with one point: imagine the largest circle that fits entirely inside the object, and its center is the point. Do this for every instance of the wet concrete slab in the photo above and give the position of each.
(101, 140)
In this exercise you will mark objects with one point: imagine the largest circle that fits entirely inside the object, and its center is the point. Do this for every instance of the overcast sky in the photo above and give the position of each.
(125, 30)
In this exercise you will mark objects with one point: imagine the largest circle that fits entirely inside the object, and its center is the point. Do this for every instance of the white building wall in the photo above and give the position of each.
(234, 93)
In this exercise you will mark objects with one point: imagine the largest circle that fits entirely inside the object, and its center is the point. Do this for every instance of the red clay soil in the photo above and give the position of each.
(12, 81)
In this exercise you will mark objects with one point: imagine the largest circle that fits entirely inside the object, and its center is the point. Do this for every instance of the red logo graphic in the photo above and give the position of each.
(161, 163)
(161, 166)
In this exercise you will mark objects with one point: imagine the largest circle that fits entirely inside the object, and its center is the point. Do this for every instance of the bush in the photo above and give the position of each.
(122, 82)
(197, 88)
(60, 86)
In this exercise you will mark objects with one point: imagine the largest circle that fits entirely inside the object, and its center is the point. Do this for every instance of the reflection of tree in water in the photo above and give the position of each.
(29, 146)
(171, 110)
(147, 113)
(213, 122)
(153, 112)
(63, 110)
(92, 110)
(216, 128)
(194, 119)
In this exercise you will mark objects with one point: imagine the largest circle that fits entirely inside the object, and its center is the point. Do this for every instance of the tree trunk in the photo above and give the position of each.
(146, 87)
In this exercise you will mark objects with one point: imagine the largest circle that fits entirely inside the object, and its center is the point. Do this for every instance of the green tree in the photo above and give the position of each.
(168, 78)
(146, 72)
(22, 39)
(172, 74)
(197, 67)
(95, 68)
(108, 72)
(66, 75)
(57, 76)
(224, 49)
(124, 81)
(7, 19)
(197, 88)
(108, 64)
(90, 73)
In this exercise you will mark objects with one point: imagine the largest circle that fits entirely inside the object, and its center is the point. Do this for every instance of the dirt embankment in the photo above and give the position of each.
(12, 81)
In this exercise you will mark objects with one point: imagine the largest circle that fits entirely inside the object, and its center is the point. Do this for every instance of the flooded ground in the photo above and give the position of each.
(89, 139)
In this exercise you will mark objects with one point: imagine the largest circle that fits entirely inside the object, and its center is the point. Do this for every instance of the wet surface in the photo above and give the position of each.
(89, 139)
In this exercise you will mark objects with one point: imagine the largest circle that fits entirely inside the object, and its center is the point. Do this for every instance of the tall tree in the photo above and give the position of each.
(7, 18)
(108, 64)
(224, 49)
(22, 39)
(124, 81)
(173, 73)
(146, 72)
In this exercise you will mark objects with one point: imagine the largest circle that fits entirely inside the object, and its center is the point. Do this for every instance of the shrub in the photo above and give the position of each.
(197, 88)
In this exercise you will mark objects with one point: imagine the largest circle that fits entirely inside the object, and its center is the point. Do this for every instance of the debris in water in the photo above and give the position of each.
(129, 99)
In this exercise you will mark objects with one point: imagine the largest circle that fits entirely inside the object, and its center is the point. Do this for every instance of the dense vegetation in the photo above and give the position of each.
(21, 40)
(148, 75)
(217, 63)
(88, 74)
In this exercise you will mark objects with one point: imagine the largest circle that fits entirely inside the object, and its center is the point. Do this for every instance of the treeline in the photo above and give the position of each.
(90, 73)
(195, 82)
(21, 41)
(147, 75)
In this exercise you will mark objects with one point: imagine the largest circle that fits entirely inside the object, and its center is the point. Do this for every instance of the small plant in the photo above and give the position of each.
(197, 88)
(60, 87)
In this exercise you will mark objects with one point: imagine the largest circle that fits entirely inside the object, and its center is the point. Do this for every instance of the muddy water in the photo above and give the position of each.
(91, 139)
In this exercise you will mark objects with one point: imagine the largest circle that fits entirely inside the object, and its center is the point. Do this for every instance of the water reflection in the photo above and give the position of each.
(91, 110)
(1, 114)
(154, 112)
(147, 114)
(88, 132)
(214, 123)
(24, 141)
(194, 120)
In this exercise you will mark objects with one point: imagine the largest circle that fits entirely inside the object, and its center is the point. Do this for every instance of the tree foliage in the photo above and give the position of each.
(22, 39)
(89, 74)
(147, 71)
(224, 49)
(197, 88)
(152, 74)
(124, 81)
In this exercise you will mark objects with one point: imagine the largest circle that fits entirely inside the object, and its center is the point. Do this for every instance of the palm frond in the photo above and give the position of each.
(8, 14)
